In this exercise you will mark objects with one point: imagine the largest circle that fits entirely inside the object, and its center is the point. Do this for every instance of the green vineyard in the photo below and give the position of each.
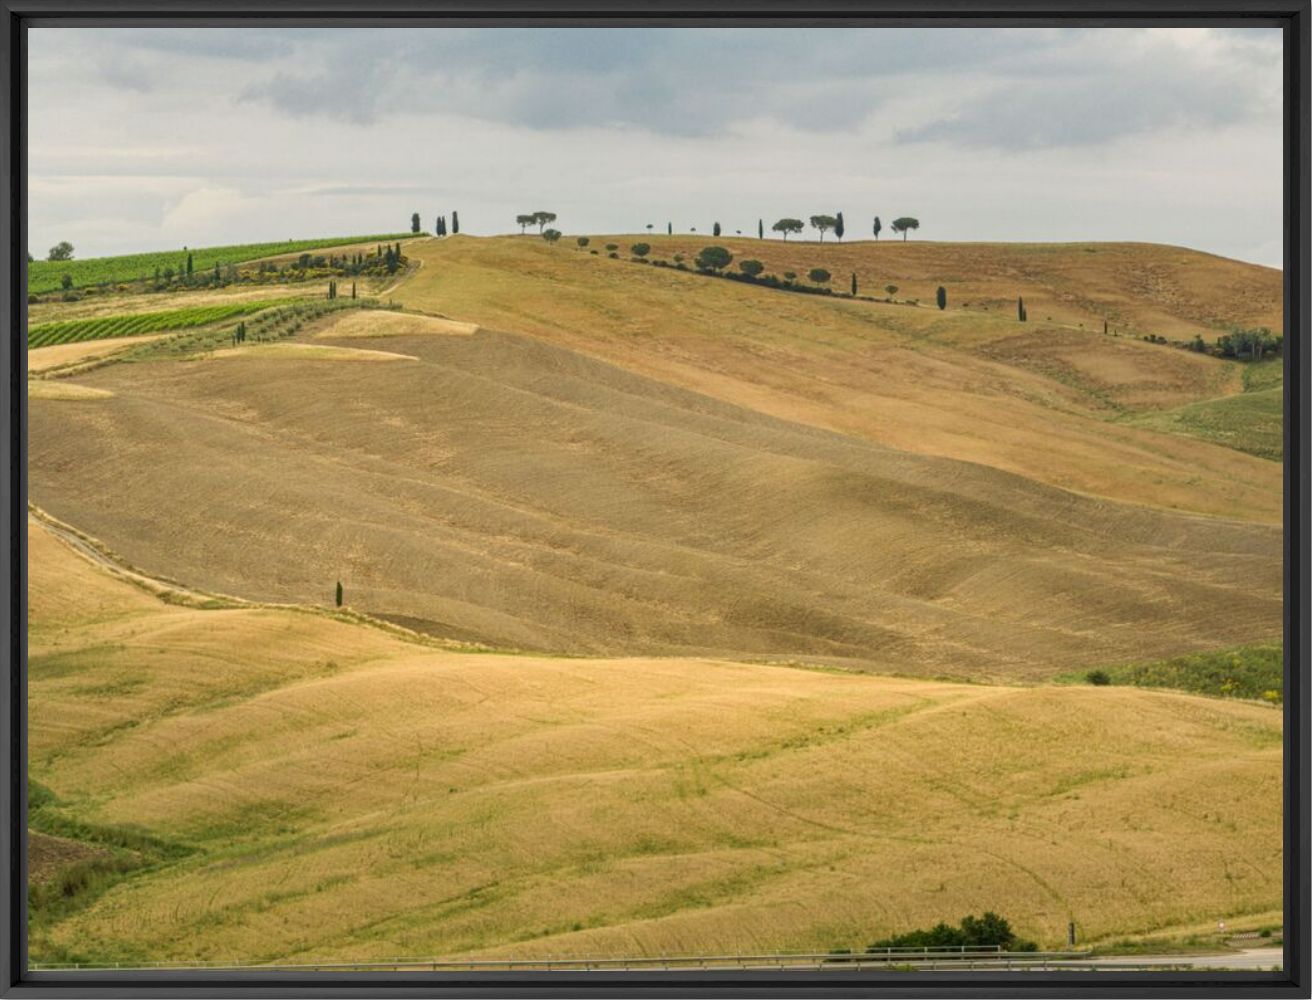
(47, 276)
(102, 327)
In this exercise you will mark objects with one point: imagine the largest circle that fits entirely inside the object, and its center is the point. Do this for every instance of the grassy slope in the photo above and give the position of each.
(1251, 421)
(1034, 399)
(45, 276)
(1251, 672)
(347, 795)
(506, 490)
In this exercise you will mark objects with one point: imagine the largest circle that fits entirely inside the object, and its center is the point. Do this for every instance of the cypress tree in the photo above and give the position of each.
(838, 225)
(188, 265)
(878, 226)
(853, 282)
(339, 593)
(669, 229)
(1020, 308)
(942, 297)
(352, 289)
(455, 222)
(217, 278)
(760, 229)
(715, 229)
(1104, 328)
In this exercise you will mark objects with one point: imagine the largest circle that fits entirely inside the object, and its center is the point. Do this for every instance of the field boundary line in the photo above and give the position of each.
(171, 591)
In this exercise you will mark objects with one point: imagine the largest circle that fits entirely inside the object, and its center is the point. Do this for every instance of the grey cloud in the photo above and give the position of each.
(1096, 93)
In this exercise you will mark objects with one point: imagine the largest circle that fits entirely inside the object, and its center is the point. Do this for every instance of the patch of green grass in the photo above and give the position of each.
(1255, 672)
(1185, 945)
(1269, 374)
(46, 276)
(103, 327)
(1251, 421)
(124, 852)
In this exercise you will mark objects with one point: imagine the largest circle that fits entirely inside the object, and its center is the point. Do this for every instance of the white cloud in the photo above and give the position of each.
(218, 136)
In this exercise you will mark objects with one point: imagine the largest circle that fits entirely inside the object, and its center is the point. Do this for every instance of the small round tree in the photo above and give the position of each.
(714, 259)
(551, 235)
(891, 289)
(751, 268)
(582, 241)
(819, 275)
(640, 249)
(942, 296)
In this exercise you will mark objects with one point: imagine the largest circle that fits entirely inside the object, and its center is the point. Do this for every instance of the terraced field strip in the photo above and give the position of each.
(104, 327)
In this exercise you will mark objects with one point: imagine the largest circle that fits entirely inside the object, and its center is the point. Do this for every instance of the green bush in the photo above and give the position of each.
(1256, 672)
(1098, 678)
(713, 259)
(987, 931)
(751, 268)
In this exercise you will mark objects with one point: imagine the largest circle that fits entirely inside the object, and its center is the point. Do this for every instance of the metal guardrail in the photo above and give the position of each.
(975, 958)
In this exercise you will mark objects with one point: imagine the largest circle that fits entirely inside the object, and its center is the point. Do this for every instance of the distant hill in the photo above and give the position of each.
(47, 275)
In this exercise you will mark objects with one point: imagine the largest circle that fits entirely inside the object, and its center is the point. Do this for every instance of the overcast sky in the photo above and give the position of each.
(147, 139)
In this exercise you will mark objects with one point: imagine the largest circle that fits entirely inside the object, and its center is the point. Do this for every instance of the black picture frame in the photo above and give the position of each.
(1292, 16)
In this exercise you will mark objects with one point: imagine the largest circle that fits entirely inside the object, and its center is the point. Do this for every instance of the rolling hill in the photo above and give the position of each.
(285, 786)
(1048, 402)
(681, 614)
(503, 490)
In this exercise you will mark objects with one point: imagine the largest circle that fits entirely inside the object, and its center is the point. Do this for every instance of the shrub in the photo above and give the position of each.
(819, 275)
(1098, 678)
(987, 931)
(613, 255)
(714, 259)
(640, 249)
(582, 241)
(751, 268)
(612, 246)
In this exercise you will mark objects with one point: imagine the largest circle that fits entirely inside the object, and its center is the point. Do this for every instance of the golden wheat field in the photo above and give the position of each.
(345, 794)
(680, 614)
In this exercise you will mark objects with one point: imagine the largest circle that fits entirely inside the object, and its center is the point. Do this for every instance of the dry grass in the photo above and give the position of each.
(507, 491)
(350, 796)
(297, 352)
(1038, 400)
(44, 359)
(64, 391)
(380, 323)
(1137, 288)
(696, 482)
